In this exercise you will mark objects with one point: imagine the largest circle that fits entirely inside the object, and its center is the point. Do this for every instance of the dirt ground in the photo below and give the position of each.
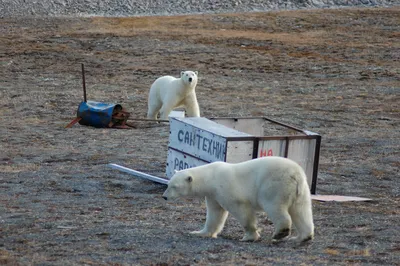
(335, 72)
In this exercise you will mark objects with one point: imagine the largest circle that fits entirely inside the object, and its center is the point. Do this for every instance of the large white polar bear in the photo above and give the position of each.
(167, 93)
(275, 185)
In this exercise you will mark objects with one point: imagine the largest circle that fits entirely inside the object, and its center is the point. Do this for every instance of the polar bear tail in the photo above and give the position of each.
(301, 213)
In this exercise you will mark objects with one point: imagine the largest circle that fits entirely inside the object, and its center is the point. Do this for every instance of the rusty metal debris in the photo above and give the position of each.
(98, 114)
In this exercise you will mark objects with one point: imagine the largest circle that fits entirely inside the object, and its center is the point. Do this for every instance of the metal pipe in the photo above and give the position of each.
(138, 174)
(84, 83)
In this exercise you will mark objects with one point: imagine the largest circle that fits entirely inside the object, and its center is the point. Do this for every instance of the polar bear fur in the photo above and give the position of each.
(275, 185)
(167, 93)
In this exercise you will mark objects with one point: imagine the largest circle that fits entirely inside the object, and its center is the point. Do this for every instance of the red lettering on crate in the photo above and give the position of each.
(264, 153)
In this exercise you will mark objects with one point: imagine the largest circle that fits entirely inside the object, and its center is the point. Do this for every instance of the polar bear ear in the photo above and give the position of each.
(189, 179)
(197, 73)
(182, 73)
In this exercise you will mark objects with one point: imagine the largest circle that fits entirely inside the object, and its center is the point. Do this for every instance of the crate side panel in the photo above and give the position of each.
(197, 142)
(302, 151)
(271, 148)
(239, 151)
(178, 161)
(252, 126)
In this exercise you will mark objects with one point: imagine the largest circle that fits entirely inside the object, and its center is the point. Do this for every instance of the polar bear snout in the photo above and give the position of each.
(164, 195)
(190, 80)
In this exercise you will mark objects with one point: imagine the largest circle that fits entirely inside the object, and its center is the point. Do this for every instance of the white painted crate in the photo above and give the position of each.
(196, 141)
(273, 138)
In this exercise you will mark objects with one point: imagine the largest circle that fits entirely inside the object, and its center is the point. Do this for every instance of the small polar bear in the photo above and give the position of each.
(275, 185)
(167, 93)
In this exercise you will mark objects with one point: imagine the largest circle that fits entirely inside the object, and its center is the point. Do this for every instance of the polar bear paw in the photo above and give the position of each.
(299, 239)
(283, 233)
(251, 236)
(203, 233)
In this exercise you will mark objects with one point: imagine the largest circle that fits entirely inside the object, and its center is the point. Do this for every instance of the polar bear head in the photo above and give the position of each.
(189, 77)
(180, 185)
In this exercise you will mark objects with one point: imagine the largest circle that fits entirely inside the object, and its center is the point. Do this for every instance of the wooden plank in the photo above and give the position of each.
(271, 148)
(302, 151)
(252, 126)
(211, 126)
(239, 151)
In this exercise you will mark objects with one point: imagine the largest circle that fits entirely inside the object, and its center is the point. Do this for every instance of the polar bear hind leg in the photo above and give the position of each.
(279, 216)
(301, 214)
(154, 105)
(153, 111)
(215, 220)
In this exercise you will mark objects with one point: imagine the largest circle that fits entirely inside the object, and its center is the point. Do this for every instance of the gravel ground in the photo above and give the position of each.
(334, 71)
(159, 7)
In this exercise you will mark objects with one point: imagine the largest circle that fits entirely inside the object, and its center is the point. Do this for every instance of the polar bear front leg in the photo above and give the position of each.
(192, 106)
(215, 220)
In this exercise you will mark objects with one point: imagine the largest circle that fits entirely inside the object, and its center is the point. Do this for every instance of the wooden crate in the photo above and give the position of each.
(197, 141)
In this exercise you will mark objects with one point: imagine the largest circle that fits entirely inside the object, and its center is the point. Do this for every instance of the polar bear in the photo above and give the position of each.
(167, 93)
(275, 185)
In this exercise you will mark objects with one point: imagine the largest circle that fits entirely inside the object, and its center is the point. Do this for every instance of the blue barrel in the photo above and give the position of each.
(96, 114)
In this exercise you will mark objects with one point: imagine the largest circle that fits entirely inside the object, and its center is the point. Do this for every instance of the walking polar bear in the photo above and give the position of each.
(275, 185)
(167, 93)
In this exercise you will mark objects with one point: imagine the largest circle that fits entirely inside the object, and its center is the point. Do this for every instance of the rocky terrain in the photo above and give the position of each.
(331, 71)
(117, 8)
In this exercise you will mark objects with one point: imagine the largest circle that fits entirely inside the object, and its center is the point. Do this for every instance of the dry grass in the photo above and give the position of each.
(17, 168)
